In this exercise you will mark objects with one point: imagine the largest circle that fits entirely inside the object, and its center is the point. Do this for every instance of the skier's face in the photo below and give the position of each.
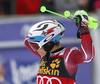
(41, 51)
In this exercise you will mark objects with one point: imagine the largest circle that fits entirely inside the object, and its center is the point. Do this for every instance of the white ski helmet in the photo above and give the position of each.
(44, 32)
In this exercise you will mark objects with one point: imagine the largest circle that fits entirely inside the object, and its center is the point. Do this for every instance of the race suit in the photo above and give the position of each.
(61, 66)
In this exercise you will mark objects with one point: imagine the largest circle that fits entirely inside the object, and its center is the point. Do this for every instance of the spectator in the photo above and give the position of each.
(97, 5)
(27, 7)
(86, 5)
(49, 4)
(5, 7)
(1, 8)
(63, 5)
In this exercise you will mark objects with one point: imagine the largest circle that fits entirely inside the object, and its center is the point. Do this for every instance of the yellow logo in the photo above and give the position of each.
(55, 63)
(43, 63)
(46, 69)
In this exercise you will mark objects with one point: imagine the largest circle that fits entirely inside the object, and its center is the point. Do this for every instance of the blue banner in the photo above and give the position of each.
(19, 30)
(21, 65)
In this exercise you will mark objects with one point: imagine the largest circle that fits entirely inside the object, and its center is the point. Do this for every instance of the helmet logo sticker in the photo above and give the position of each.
(43, 33)
(43, 28)
(49, 38)
(50, 30)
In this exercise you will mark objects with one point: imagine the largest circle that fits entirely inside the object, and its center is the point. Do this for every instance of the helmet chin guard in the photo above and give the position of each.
(48, 47)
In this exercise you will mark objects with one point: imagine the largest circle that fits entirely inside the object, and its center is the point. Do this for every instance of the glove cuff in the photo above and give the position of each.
(82, 30)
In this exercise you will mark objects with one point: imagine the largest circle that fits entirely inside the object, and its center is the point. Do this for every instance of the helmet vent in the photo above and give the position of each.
(59, 25)
(32, 38)
(43, 28)
(55, 41)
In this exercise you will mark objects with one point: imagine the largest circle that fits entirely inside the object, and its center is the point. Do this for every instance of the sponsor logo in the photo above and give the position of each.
(40, 80)
(49, 70)
(55, 63)
(23, 74)
(49, 38)
(43, 33)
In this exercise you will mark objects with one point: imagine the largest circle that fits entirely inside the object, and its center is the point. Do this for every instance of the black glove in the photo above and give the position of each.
(82, 24)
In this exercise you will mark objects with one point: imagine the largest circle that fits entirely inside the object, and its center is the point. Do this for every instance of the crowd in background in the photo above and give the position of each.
(26, 7)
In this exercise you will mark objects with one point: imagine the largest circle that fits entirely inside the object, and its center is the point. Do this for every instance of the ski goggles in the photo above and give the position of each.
(34, 42)
(35, 45)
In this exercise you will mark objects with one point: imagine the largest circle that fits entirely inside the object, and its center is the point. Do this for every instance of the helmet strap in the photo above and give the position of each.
(48, 47)
(47, 55)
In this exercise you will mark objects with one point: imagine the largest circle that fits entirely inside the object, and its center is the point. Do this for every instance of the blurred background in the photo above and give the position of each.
(18, 65)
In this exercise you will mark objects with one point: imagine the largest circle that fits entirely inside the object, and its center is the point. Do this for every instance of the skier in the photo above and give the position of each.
(59, 64)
